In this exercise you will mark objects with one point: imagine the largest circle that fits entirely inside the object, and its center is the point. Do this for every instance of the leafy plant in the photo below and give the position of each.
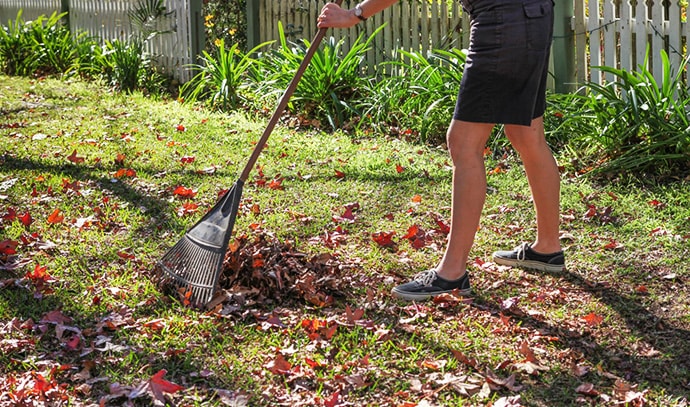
(641, 125)
(16, 48)
(221, 77)
(330, 85)
(421, 93)
(124, 63)
(53, 44)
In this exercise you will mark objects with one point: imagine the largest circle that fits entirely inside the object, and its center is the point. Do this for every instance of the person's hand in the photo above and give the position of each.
(332, 15)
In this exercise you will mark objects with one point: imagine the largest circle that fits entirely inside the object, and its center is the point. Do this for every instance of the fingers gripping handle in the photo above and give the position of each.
(284, 101)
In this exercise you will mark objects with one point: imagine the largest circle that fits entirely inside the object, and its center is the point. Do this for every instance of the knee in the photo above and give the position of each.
(465, 145)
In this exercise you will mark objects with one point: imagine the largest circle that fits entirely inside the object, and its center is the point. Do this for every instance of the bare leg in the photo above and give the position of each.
(466, 143)
(544, 181)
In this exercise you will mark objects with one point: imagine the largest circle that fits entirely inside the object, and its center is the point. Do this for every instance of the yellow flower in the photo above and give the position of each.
(232, 31)
(207, 20)
(218, 42)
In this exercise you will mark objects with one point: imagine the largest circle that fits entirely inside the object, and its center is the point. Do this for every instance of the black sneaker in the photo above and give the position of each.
(428, 284)
(523, 256)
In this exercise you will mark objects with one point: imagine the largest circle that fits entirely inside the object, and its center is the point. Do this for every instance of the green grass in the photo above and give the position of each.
(626, 265)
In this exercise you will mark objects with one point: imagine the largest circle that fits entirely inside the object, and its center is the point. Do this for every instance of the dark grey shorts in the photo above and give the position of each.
(506, 68)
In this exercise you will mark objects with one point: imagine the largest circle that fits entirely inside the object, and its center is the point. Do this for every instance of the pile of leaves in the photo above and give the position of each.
(260, 269)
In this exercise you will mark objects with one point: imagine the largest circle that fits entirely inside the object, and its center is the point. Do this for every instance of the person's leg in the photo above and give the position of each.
(466, 143)
(544, 181)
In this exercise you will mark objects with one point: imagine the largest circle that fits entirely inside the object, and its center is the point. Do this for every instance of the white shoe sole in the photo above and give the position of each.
(425, 296)
(529, 264)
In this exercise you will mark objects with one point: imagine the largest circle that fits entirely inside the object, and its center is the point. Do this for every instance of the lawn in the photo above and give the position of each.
(95, 187)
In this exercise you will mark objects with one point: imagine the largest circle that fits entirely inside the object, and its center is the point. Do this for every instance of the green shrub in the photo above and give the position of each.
(221, 77)
(43, 47)
(16, 48)
(332, 82)
(637, 124)
(419, 95)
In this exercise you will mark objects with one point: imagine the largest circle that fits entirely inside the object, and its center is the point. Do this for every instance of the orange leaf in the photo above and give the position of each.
(276, 184)
(55, 217)
(417, 198)
(593, 319)
(180, 127)
(184, 192)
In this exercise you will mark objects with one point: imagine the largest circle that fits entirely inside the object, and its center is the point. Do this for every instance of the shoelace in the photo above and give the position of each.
(522, 251)
(425, 278)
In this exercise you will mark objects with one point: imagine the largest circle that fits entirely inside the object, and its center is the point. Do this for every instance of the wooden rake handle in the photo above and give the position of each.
(284, 101)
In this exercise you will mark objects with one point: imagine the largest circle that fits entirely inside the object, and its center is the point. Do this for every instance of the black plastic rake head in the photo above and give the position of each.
(195, 263)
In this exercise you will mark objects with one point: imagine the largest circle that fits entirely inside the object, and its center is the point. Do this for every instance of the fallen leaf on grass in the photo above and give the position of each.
(160, 386)
(593, 319)
(384, 239)
(73, 158)
(587, 389)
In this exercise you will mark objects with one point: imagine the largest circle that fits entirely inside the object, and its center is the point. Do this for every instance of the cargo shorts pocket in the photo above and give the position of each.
(538, 24)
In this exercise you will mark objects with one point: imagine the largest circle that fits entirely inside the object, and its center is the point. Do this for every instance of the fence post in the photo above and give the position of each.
(564, 47)
(64, 8)
(197, 31)
(253, 33)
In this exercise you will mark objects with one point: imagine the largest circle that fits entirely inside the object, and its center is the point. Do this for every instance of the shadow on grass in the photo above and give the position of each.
(662, 362)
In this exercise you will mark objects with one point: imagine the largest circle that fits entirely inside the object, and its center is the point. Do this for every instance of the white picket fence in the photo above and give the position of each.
(604, 32)
(108, 20)
(617, 33)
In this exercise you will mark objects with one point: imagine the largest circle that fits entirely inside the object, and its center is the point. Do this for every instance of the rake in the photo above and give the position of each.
(194, 264)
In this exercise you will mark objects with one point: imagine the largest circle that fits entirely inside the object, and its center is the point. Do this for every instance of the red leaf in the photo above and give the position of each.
(339, 174)
(184, 192)
(527, 352)
(276, 184)
(73, 157)
(411, 232)
(333, 401)
(399, 168)
(55, 217)
(73, 343)
(8, 247)
(158, 386)
(10, 216)
(126, 256)
(187, 159)
(279, 365)
(471, 362)
(180, 127)
(26, 219)
(187, 208)
(56, 317)
(384, 239)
